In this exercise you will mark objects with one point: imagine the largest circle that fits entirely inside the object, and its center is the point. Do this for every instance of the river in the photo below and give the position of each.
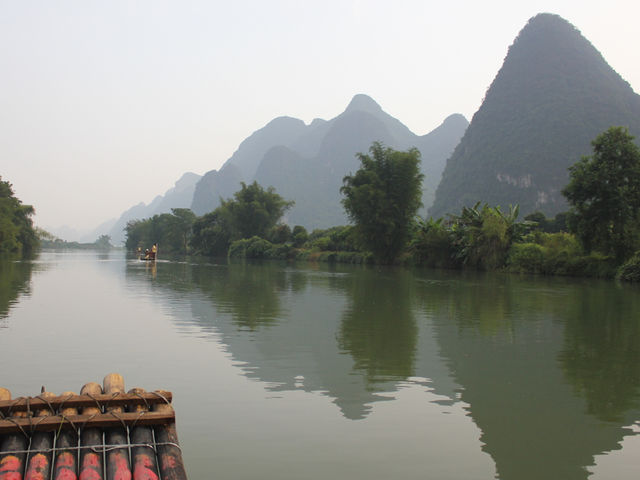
(314, 371)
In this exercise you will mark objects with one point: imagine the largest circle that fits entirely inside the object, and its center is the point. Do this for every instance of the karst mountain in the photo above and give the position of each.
(553, 95)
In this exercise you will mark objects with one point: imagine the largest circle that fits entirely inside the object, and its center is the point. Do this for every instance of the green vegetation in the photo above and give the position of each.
(604, 194)
(336, 244)
(630, 270)
(171, 230)
(382, 199)
(253, 212)
(488, 239)
(15, 280)
(47, 240)
(17, 234)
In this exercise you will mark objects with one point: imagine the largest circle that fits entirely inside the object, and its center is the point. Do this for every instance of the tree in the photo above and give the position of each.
(17, 234)
(604, 194)
(482, 236)
(180, 229)
(210, 235)
(382, 199)
(170, 230)
(103, 242)
(253, 211)
(136, 234)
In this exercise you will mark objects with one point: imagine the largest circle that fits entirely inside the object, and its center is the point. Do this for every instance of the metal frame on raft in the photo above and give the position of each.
(101, 434)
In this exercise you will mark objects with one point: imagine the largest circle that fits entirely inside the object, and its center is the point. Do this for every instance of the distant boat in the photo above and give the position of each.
(147, 255)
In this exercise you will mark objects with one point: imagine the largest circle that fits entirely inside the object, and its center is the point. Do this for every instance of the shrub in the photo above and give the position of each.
(432, 245)
(322, 244)
(630, 271)
(299, 236)
(238, 249)
(281, 252)
(281, 233)
(593, 265)
(254, 247)
(526, 258)
(562, 251)
(258, 248)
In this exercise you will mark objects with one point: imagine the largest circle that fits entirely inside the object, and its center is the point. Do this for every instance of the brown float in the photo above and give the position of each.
(91, 436)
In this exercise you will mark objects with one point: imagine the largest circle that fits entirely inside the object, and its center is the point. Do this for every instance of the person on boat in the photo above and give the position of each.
(146, 254)
(154, 251)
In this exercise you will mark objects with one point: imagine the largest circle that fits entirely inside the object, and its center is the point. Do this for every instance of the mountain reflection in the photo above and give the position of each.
(549, 367)
(601, 350)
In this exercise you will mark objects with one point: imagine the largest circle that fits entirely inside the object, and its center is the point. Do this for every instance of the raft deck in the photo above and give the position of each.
(102, 433)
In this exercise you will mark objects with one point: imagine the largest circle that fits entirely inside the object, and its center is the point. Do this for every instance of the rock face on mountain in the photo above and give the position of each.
(180, 196)
(553, 95)
(306, 163)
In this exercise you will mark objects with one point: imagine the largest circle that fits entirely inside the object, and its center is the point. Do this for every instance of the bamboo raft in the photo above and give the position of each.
(103, 433)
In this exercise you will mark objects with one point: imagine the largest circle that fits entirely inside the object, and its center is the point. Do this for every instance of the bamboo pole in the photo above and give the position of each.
(66, 457)
(117, 459)
(169, 456)
(91, 462)
(145, 465)
(80, 401)
(39, 463)
(104, 420)
(12, 464)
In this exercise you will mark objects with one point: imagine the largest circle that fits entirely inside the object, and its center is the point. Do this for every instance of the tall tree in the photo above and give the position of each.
(180, 229)
(253, 211)
(210, 235)
(17, 235)
(604, 194)
(382, 199)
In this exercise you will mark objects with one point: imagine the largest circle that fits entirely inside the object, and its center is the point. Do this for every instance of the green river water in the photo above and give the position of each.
(312, 371)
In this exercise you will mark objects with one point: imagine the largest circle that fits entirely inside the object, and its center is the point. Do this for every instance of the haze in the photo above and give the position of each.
(106, 104)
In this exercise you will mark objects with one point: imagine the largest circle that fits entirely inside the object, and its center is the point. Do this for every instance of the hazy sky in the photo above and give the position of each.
(104, 104)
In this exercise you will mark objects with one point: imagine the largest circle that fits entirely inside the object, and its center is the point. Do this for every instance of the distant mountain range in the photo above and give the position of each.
(180, 196)
(553, 95)
(306, 163)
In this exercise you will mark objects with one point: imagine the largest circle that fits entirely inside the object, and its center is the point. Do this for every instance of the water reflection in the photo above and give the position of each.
(378, 325)
(601, 351)
(249, 292)
(15, 277)
(549, 369)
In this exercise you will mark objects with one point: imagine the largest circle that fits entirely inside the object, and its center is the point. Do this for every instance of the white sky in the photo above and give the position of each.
(104, 104)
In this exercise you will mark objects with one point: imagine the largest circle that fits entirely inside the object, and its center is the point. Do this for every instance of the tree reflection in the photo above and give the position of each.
(378, 327)
(250, 292)
(15, 280)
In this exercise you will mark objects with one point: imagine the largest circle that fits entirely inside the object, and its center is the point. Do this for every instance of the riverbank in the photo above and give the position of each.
(554, 254)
